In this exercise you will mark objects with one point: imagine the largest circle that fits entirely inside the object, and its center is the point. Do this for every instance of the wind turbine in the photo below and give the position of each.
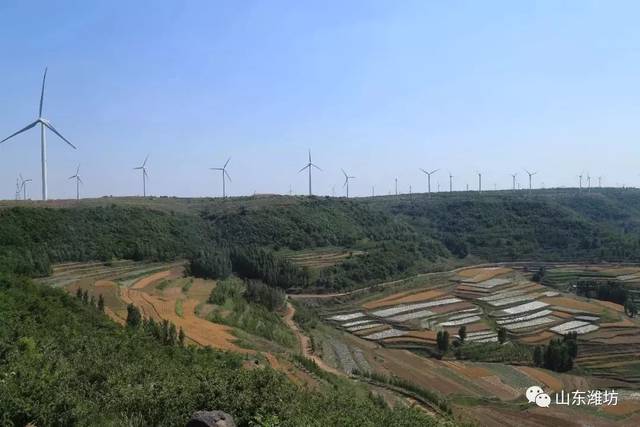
(78, 182)
(309, 166)
(588, 182)
(396, 186)
(580, 178)
(373, 191)
(600, 182)
(513, 176)
(17, 188)
(429, 178)
(346, 181)
(44, 124)
(530, 175)
(479, 181)
(144, 175)
(450, 183)
(225, 176)
(23, 186)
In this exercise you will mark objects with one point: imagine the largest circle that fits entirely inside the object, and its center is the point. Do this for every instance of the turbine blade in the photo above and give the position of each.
(78, 170)
(71, 177)
(139, 167)
(216, 169)
(344, 173)
(145, 161)
(228, 177)
(309, 155)
(50, 126)
(434, 171)
(316, 167)
(42, 92)
(225, 165)
(424, 171)
(80, 180)
(20, 131)
(308, 166)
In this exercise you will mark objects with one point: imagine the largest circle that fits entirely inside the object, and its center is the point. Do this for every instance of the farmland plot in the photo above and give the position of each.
(403, 308)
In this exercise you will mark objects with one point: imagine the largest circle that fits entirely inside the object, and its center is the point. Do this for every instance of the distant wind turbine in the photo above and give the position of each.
(396, 186)
(450, 183)
(429, 178)
(373, 191)
(600, 182)
(588, 182)
(44, 124)
(346, 181)
(513, 176)
(17, 188)
(78, 182)
(225, 176)
(309, 166)
(479, 181)
(145, 175)
(531, 174)
(23, 186)
(580, 178)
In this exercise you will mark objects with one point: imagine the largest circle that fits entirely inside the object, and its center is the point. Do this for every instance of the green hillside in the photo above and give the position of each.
(393, 236)
(64, 363)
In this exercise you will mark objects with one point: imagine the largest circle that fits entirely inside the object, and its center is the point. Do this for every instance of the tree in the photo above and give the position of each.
(101, 303)
(630, 308)
(442, 339)
(571, 341)
(79, 293)
(538, 356)
(181, 337)
(538, 276)
(462, 333)
(134, 319)
(502, 335)
(85, 297)
(92, 301)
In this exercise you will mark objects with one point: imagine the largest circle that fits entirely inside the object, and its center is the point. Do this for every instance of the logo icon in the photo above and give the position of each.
(536, 395)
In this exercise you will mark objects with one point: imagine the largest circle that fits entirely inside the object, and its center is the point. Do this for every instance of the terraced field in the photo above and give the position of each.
(319, 258)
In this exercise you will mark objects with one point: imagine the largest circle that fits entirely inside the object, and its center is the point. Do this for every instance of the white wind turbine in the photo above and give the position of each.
(23, 186)
(309, 166)
(346, 181)
(78, 182)
(44, 124)
(145, 175)
(429, 178)
(531, 174)
(225, 176)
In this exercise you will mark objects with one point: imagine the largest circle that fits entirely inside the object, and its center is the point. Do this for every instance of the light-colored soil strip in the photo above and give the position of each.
(403, 308)
(345, 317)
(573, 303)
(529, 323)
(459, 322)
(538, 374)
(566, 327)
(364, 327)
(413, 315)
(492, 283)
(540, 313)
(357, 322)
(385, 334)
(531, 306)
(513, 300)
(148, 280)
(588, 318)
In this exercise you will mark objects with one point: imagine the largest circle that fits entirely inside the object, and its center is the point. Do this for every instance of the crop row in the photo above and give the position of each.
(389, 333)
(403, 308)
(523, 308)
(529, 323)
(535, 315)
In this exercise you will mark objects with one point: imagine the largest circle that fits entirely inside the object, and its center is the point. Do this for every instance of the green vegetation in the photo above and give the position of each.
(442, 338)
(234, 308)
(511, 352)
(559, 354)
(65, 363)
(179, 308)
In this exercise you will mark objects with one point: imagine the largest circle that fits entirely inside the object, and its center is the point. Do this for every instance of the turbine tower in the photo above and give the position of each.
(17, 188)
(588, 182)
(396, 186)
(143, 168)
(78, 182)
(530, 176)
(23, 186)
(580, 178)
(599, 182)
(225, 176)
(479, 181)
(44, 124)
(429, 178)
(513, 176)
(346, 181)
(309, 166)
(450, 183)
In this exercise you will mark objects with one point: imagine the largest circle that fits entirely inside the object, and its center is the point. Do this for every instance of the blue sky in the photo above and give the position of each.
(379, 88)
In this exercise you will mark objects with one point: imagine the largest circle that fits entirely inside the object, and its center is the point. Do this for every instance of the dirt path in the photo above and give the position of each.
(305, 342)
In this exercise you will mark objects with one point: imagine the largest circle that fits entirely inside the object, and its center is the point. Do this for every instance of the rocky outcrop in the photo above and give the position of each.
(211, 419)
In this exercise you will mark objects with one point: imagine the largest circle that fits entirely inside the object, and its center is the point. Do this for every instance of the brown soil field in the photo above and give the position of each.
(624, 323)
(543, 376)
(611, 305)
(539, 338)
(456, 306)
(149, 280)
(477, 327)
(403, 297)
(624, 407)
(562, 314)
(201, 289)
(482, 274)
(469, 371)
(572, 303)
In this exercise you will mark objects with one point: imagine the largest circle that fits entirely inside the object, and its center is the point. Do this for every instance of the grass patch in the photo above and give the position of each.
(187, 286)
(163, 285)
(179, 308)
